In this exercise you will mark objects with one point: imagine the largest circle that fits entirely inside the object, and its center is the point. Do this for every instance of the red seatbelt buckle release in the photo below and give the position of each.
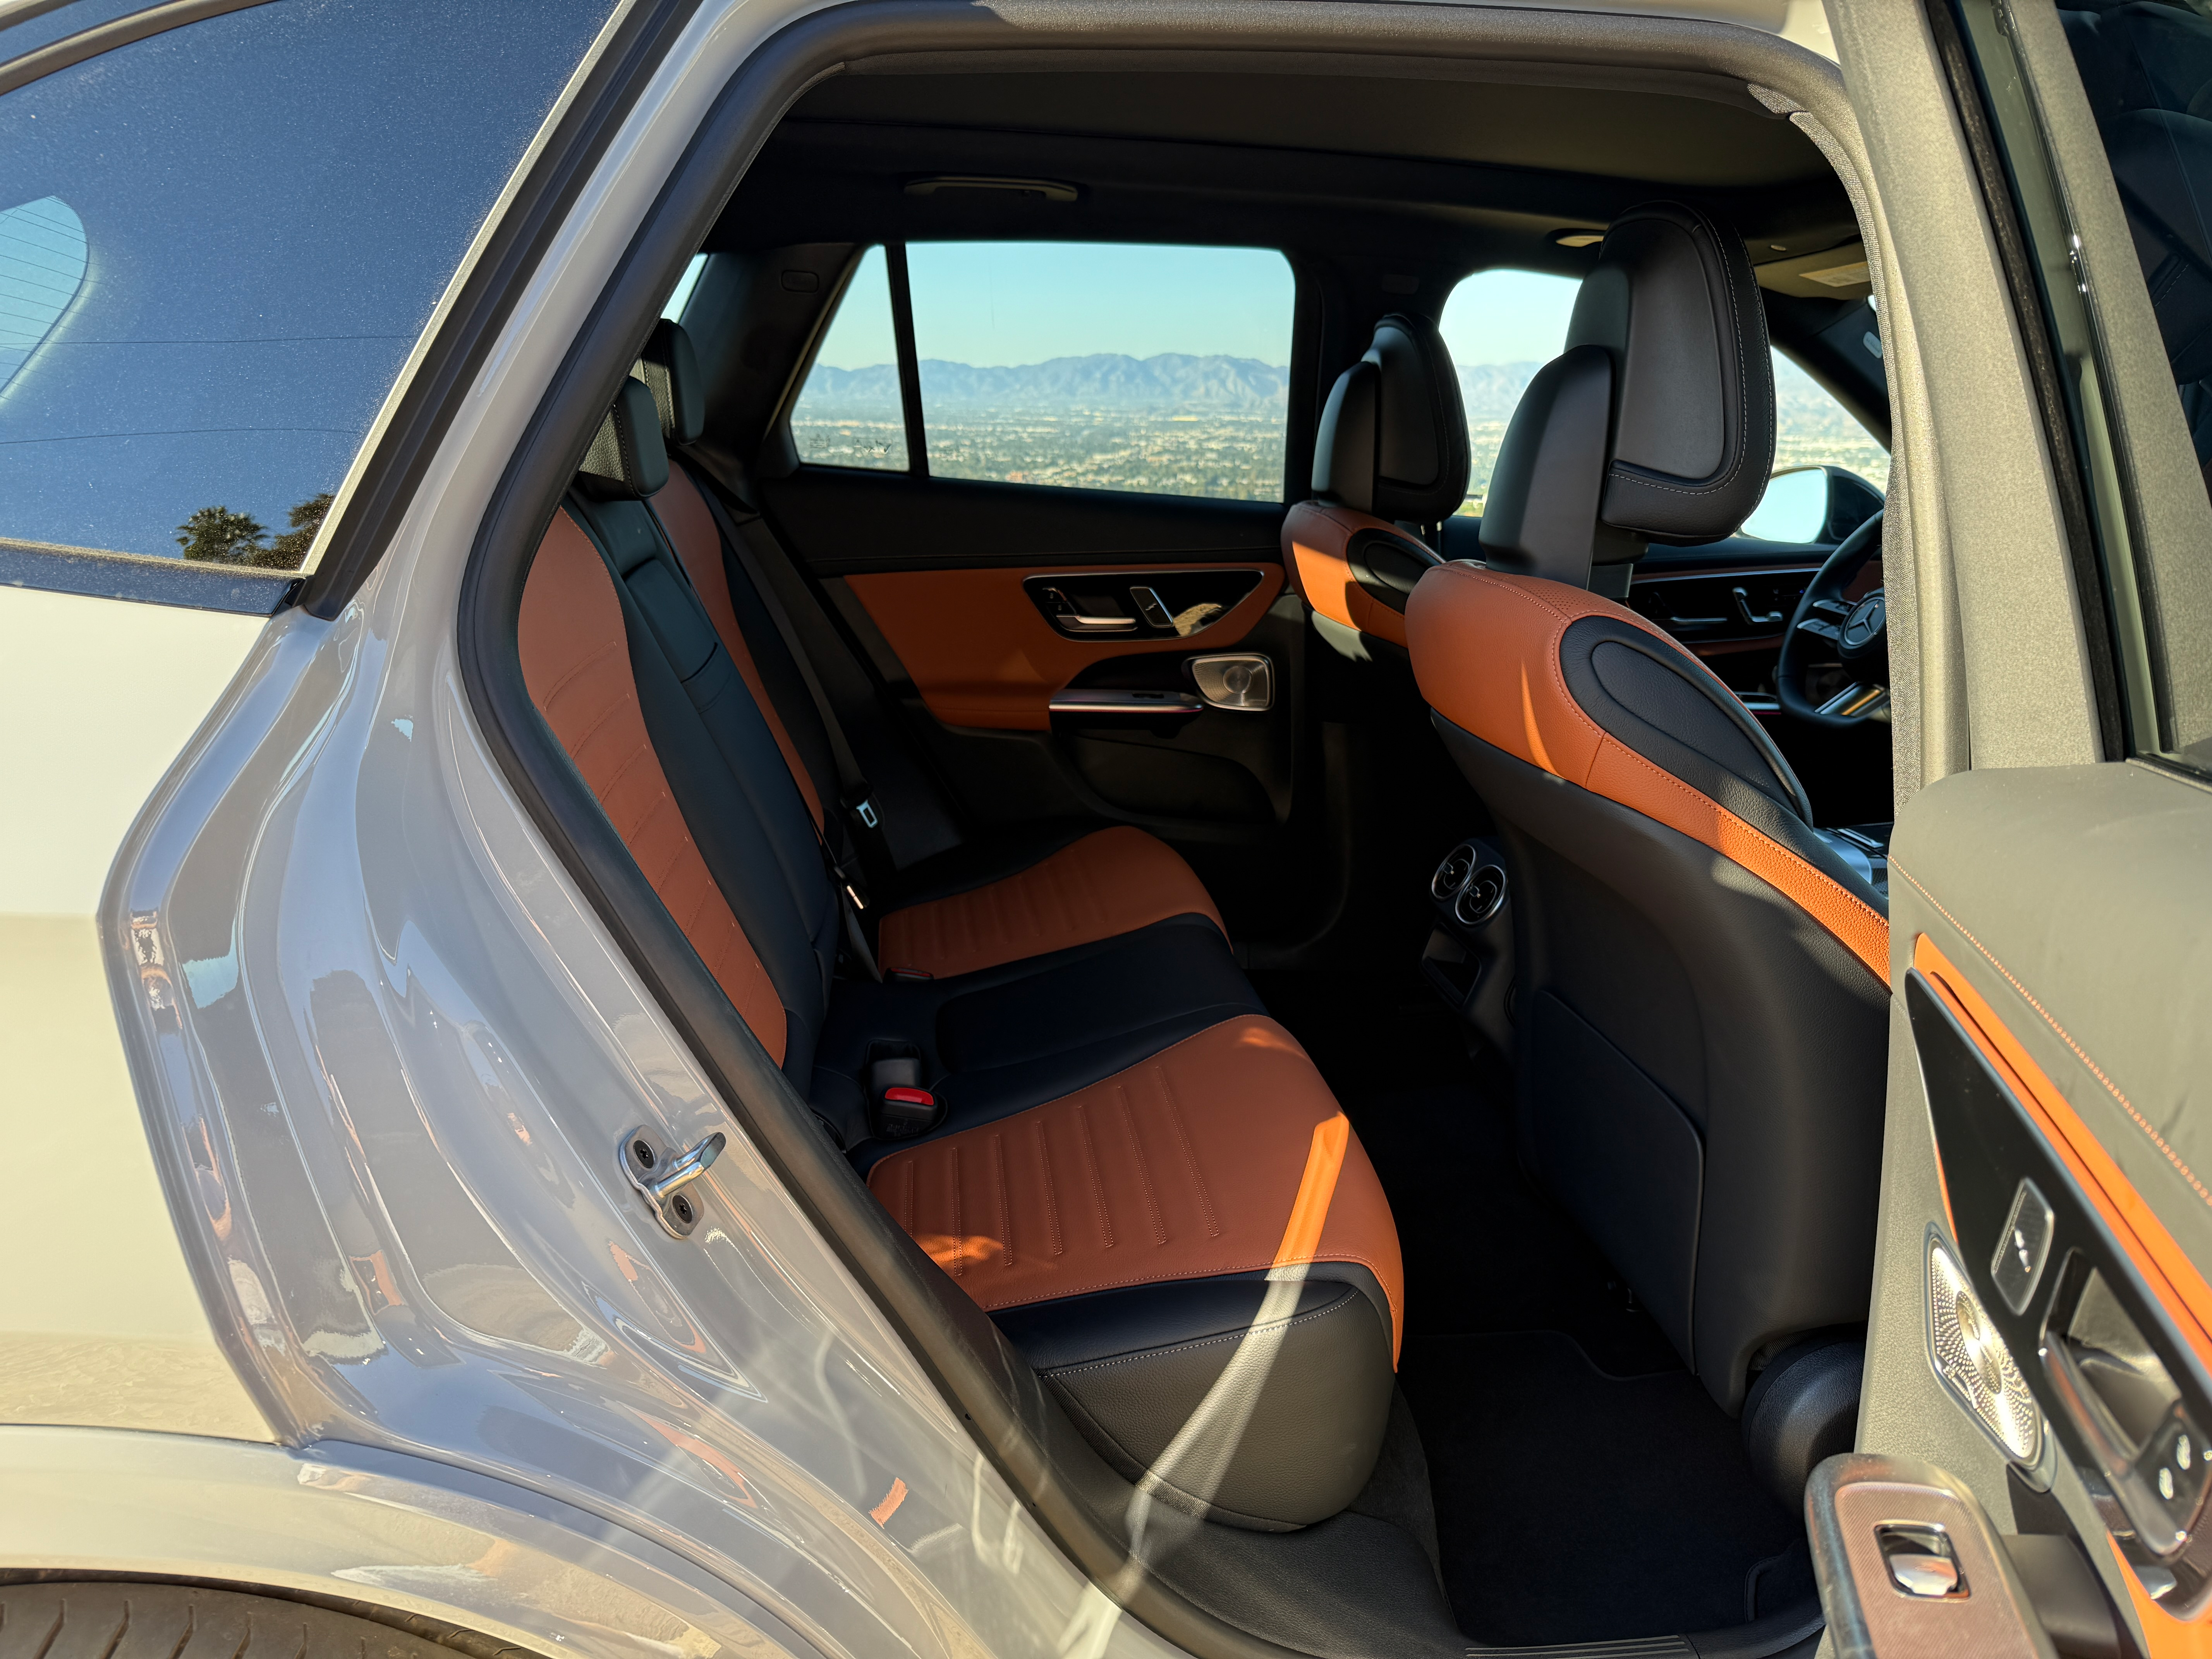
(906, 1111)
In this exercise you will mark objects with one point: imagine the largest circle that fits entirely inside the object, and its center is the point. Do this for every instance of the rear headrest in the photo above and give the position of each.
(1656, 424)
(1393, 437)
(627, 459)
(671, 372)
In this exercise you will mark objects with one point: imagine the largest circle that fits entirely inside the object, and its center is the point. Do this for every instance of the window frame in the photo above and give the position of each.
(2090, 465)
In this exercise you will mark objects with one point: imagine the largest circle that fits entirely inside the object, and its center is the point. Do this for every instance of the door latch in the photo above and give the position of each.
(663, 1176)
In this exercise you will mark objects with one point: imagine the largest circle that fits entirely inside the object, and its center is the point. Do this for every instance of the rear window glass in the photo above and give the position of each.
(1504, 325)
(1160, 369)
(849, 412)
(218, 244)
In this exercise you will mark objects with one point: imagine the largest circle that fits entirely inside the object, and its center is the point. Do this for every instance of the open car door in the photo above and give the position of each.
(2031, 1454)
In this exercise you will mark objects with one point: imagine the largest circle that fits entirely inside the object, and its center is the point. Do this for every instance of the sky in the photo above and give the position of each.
(990, 303)
(1509, 317)
(1025, 302)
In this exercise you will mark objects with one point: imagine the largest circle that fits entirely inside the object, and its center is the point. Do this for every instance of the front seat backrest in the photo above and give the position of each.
(1656, 424)
(1391, 450)
(1701, 985)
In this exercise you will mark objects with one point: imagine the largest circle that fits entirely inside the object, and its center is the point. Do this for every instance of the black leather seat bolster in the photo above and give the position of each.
(1006, 1039)
(1313, 1384)
(1670, 708)
(982, 860)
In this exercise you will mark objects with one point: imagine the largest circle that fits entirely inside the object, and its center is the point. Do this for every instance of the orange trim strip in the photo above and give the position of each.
(2172, 1277)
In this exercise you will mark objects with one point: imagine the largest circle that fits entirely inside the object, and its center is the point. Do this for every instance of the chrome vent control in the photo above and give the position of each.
(1469, 884)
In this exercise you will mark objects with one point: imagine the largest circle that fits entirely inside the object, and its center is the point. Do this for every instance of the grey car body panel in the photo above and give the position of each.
(412, 1536)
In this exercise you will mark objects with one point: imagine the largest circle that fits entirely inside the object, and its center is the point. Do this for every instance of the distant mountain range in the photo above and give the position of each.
(1176, 381)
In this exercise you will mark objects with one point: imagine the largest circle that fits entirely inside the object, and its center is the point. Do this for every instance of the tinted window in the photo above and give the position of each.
(1105, 367)
(218, 245)
(848, 412)
(1504, 325)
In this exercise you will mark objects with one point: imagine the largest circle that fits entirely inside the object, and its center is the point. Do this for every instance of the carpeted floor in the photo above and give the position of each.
(1586, 1485)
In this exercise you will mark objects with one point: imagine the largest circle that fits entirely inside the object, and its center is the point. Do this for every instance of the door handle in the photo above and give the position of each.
(1754, 618)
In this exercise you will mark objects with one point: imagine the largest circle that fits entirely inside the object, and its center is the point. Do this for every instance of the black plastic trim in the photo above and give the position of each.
(434, 392)
(103, 575)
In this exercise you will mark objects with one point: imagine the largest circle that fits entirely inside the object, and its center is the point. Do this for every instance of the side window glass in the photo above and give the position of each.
(217, 246)
(680, 295)
(848, 412)
(1105, 366)
(1504, 325)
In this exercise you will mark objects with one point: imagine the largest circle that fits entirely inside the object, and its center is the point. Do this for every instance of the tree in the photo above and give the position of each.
(290, 551)
(215, 535)
(218, 535)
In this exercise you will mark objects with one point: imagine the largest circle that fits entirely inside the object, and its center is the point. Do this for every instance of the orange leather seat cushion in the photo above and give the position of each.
(1485, 648)
(1225, 1154)
(1113, 881)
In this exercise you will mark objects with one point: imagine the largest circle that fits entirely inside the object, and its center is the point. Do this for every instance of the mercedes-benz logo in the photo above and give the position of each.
(1863, 623)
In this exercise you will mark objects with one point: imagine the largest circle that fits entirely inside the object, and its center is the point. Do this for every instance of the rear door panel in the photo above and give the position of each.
(2046, 930)
(931, 578)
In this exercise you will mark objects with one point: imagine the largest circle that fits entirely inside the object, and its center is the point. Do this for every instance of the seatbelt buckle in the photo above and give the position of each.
(866, 812)
(903, 1107)
(908, 973)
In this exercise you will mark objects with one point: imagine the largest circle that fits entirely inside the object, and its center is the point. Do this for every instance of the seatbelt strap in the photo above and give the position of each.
(850, 888)
(856, 799)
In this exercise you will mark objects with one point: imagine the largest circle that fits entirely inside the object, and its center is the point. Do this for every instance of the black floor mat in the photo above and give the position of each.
(1586, 1485)
(1574, 1506)
(1485, 1250)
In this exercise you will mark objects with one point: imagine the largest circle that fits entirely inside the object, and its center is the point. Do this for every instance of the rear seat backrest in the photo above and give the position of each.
(716, 755)
(575, 660)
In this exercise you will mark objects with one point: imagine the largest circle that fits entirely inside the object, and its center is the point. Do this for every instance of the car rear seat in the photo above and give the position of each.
(1022, 895)
(1138, 1174)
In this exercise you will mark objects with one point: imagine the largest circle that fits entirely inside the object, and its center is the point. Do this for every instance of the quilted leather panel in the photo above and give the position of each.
(1113, 881)
(575, 660)
(1225, 1154)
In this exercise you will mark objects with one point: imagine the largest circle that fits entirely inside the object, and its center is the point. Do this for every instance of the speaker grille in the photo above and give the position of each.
(1973, 1361)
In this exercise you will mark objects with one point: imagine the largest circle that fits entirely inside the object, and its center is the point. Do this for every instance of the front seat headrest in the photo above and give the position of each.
(1656, 424)
(1393, 437)
(627, 459)
(670, 370)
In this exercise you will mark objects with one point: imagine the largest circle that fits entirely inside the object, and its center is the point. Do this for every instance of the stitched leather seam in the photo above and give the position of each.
(1006, 1202)
(1097, 1185)
(1196, 1343)
(2079, 1052)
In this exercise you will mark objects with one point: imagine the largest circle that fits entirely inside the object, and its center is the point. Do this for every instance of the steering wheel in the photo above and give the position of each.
(1855, 631)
